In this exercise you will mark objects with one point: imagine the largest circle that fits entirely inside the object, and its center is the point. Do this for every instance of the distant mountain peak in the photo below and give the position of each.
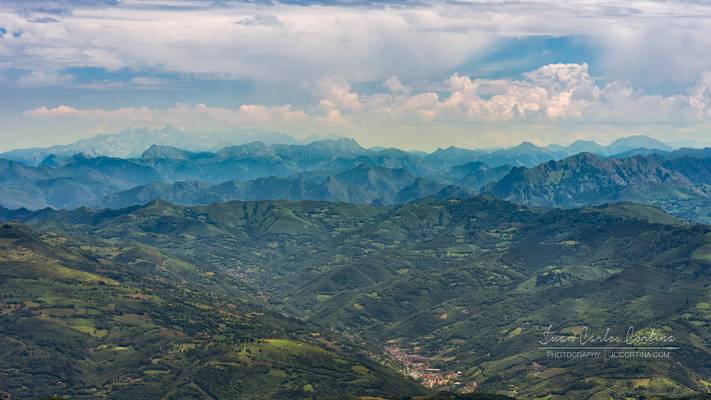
(341, 145)
(246, 149)
(636, 142)
(526, 146)
(582, 141)
(589, 146)
(159, 152)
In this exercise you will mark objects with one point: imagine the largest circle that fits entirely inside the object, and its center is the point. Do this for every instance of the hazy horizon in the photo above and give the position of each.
(221, 139)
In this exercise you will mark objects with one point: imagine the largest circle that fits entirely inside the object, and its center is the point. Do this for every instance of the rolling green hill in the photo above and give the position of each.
(456, 293)
(118, 320)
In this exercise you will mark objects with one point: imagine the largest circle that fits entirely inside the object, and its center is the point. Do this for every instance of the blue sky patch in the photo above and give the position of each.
(510, 57)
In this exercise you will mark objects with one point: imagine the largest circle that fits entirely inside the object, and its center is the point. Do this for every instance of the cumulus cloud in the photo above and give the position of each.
(395, 86)
(335, 92)
(700, 99)
(556, 93)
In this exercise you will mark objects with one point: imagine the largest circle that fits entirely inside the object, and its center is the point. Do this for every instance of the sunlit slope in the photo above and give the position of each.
(127, 321)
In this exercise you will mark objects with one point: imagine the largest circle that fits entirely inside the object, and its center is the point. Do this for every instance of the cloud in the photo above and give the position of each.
(43, 20)
(285, 42)
(148, 82)
(554, 95)
(700, 99)
(395, 86)
(648, 43)
(44, 78)
(260, 20)
(335, 93)
(180, 115)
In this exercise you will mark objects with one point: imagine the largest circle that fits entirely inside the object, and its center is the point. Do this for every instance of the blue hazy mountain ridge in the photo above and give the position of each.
(77, 180)
(362, 184)
(341, 170)
(131, 143)
(635, 142)
(667, 179)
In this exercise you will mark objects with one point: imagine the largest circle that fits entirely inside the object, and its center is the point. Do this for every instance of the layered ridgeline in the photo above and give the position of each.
(338, 170)
(456, 293)
(131, 143)
(635, 168)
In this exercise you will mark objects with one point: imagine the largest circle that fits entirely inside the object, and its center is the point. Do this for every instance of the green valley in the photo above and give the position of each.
(123, 320)
(453, 293)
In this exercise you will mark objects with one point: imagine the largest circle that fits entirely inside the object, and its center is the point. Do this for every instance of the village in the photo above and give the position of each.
(420, 368)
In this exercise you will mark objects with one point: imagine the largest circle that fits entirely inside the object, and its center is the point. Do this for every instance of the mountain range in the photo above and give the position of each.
(329, 270)
(131, 143)
(362, 184)
(678, 181)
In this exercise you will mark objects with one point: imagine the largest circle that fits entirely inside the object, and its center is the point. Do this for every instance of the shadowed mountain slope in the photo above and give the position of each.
(679, 185)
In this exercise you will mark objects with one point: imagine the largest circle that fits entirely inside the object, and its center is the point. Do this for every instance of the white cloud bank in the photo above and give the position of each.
(245, 41)
(645, 40)
(555, 92)
(555, 96)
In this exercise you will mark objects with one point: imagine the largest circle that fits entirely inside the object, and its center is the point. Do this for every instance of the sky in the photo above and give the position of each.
(409, 74)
